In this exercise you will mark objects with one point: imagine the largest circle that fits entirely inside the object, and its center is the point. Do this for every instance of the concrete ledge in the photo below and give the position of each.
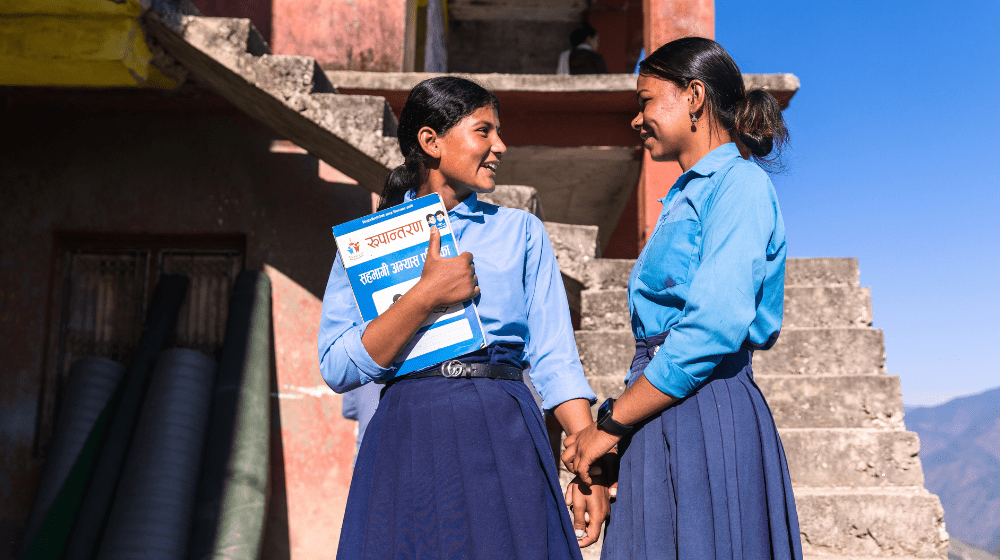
(852, 457)
(404, 81)
(840, 401)
(822, 306)
(824, 351)
(822, 272)
(885, 522)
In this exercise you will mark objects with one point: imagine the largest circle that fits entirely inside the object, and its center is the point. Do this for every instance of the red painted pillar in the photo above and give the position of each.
(664, 21)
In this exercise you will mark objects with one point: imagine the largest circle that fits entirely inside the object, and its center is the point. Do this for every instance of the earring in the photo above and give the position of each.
(694, 118)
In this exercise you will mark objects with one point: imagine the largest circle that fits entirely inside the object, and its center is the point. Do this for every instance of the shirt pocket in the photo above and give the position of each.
(670, 255)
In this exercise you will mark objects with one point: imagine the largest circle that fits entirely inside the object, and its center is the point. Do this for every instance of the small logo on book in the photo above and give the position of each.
(353, 248)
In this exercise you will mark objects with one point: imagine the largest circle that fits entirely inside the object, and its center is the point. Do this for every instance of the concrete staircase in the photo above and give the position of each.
(291, 94)
(854, 467)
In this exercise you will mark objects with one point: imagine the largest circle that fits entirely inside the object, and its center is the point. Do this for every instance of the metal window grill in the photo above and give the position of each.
(201, 323)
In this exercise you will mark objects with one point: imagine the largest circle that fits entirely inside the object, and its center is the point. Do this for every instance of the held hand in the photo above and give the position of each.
(585, 447)
(591, 506)
(447, 281)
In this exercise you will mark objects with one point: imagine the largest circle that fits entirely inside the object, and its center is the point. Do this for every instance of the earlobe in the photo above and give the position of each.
(428, 141)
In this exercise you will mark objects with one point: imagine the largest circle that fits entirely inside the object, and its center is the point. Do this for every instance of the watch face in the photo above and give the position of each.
(604, 410)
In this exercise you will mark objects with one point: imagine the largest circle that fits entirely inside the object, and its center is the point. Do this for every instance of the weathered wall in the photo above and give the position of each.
(507, 47)
(86, 164)
(342, 34)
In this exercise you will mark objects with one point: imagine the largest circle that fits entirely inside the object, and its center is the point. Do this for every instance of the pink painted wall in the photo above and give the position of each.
(317, 442)
(342, 34)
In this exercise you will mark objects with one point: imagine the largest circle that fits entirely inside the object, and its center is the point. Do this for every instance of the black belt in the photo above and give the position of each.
(455, 369)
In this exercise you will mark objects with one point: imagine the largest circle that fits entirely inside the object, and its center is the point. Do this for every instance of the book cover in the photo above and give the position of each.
(384, 254)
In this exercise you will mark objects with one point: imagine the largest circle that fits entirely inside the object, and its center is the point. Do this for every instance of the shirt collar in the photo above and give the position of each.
(714, 160)
(707, 165)
(467, 208)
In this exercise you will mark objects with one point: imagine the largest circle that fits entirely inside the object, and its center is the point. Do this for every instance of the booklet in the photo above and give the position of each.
(384, 254)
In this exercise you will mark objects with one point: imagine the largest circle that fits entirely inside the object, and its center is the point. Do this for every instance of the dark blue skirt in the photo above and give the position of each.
(707, 478)
(456, 468)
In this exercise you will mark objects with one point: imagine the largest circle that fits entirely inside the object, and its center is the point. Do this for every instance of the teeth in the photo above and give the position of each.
(492, 166)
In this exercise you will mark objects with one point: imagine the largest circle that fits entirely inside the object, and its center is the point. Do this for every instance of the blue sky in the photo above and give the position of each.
(894, 160)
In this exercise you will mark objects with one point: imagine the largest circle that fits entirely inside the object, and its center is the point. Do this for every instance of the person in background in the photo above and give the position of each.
(360, 404)
(703, 475)
(582, 57)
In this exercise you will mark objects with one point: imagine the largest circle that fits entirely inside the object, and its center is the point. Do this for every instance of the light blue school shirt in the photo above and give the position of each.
(522, 302)
(712, 272)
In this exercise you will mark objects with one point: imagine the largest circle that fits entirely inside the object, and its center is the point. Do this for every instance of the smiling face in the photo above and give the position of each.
(664, 119)
(470, 152)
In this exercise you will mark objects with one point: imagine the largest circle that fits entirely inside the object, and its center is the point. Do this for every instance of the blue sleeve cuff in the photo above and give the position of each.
(565, 387)
(359, 356)
(670, 379)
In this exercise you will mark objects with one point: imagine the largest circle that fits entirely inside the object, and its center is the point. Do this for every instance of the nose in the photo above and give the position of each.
(637, 122)
(498, 148)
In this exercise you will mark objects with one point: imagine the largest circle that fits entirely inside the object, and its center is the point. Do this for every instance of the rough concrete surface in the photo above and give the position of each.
(889, 522)
(852, 457)
(404, 81)
(822, 272)
(843, 401)
(515, 196)
(575, 246)
(827, 306)
(824, 351)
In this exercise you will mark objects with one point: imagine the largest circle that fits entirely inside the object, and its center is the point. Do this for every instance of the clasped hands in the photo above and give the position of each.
(589, 493)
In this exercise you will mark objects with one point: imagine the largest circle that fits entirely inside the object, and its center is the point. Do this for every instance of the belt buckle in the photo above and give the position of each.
(656, 349)
(453, 369)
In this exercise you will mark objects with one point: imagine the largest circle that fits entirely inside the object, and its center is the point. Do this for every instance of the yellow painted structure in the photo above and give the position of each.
(75, 43)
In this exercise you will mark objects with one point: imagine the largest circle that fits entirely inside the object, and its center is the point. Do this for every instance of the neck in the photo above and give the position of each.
(706, 139)
(436, 183)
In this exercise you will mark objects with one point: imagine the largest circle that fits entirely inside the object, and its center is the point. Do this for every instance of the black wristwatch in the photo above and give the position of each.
(609, 424)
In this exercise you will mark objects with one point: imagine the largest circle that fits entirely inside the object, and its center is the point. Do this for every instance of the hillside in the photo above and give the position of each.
(960, 452)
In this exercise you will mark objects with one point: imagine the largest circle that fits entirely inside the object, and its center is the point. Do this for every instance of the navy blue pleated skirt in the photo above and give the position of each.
(456, 468)
(707, 478)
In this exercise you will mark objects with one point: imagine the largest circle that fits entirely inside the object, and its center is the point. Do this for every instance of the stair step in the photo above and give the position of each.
(575, 247)
(287, 76)
(798, 352)
(603, 274)
(366, 121)
(852, 457)
(614, 273)
(229, 56)
(805, 307)
(822, 272)
(823, 351)
(842, 401)
(884, 522)
(827, 306)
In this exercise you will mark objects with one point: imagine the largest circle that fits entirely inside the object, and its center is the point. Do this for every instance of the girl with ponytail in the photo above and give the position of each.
(455, 463)
(702, 471)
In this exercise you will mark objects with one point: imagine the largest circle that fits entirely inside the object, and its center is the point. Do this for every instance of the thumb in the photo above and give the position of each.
(434, 245)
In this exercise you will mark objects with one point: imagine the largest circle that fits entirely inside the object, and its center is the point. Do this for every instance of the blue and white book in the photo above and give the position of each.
(384, 255)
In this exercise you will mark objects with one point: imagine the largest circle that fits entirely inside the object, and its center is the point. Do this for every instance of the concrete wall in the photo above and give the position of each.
(507, 47)
(96, 162)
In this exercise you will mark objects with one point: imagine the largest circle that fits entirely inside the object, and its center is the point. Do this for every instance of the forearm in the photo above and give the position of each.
(574, 415)
(640, 401)
(388, 334)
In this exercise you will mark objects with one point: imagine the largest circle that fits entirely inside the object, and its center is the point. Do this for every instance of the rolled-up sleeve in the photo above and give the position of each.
(343, 360)
(724, 292)
(551, 350)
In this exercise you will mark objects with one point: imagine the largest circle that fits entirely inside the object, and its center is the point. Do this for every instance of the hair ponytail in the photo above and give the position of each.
(400, 180)
(439, 103)
(754, 117)
(760, 125)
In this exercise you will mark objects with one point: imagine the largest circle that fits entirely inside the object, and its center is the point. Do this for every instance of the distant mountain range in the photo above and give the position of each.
(960, 453)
